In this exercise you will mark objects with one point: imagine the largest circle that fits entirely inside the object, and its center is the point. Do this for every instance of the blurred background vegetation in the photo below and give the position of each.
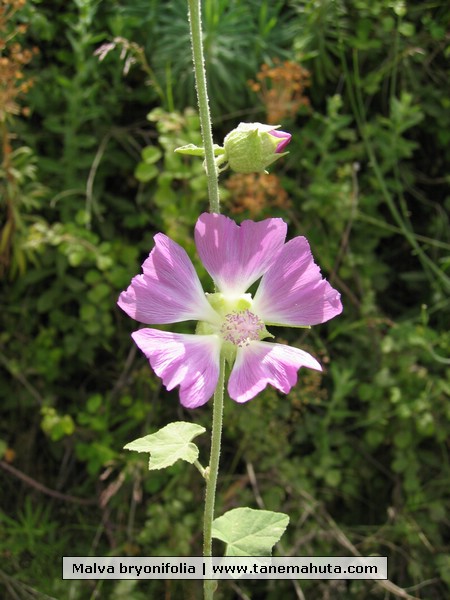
(94, 97)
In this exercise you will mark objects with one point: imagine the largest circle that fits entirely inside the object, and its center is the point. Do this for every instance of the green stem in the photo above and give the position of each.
(195, 21)
(209, 586)
(211, 473)
(200, 469)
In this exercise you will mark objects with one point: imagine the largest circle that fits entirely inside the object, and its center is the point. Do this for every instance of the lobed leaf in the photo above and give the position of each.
(249, 532)
(170, 444)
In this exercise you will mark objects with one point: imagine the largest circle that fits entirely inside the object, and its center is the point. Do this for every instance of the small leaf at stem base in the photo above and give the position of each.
(170, 444)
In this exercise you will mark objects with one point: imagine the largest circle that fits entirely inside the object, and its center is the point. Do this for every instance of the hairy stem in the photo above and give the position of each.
(211, 473)
(195, 22)
(210, 586)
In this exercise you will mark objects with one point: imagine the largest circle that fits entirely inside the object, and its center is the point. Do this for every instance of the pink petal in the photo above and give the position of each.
(190, 361)
(261, 363)
(169, 291)
(234, 256)
(285, 139)
(292, 292)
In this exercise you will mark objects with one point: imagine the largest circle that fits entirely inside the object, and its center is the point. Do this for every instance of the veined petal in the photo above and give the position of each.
(190, 361)
(236, 256)
(169, 290)
(293, 292)
(262, 363)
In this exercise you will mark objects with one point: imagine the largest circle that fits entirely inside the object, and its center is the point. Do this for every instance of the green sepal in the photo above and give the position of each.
(193, 150)
(270, 324)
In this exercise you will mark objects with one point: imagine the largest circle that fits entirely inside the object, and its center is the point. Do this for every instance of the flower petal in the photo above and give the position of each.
(190, 361)
(261, 363)
(284, 137)
(169, 291)
(292, 291)
(236, 256)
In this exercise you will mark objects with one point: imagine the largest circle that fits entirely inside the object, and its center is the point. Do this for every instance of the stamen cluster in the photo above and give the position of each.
(240, 328)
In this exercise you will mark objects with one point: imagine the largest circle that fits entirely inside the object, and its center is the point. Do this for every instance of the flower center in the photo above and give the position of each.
(240, 328)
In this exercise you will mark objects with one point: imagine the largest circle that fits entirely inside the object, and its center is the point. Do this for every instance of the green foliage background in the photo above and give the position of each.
(358, 457)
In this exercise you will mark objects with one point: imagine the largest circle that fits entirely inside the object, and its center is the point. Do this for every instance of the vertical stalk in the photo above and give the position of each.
(195, 22)
(209, 586)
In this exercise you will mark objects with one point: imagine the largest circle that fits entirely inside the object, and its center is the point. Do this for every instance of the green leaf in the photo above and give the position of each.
(169, 444)
(145, 172)
(190, 149)
(3, 448)
(151, 154)
(249, 532)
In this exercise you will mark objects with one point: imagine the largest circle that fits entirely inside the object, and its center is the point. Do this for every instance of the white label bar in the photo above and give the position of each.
(236, 567)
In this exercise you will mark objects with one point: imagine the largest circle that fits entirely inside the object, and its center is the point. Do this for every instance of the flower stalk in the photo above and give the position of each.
(195, 23)
(209, 586)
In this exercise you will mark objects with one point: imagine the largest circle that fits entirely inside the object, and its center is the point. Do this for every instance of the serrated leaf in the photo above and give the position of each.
(249, 532)
(170, 444)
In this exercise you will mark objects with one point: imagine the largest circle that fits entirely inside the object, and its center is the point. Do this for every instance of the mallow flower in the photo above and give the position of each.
(230, 322)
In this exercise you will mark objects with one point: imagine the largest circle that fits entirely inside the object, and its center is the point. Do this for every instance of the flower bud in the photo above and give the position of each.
(252, 147)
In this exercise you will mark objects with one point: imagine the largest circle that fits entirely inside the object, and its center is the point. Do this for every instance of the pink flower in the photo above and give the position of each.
(230, 322)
